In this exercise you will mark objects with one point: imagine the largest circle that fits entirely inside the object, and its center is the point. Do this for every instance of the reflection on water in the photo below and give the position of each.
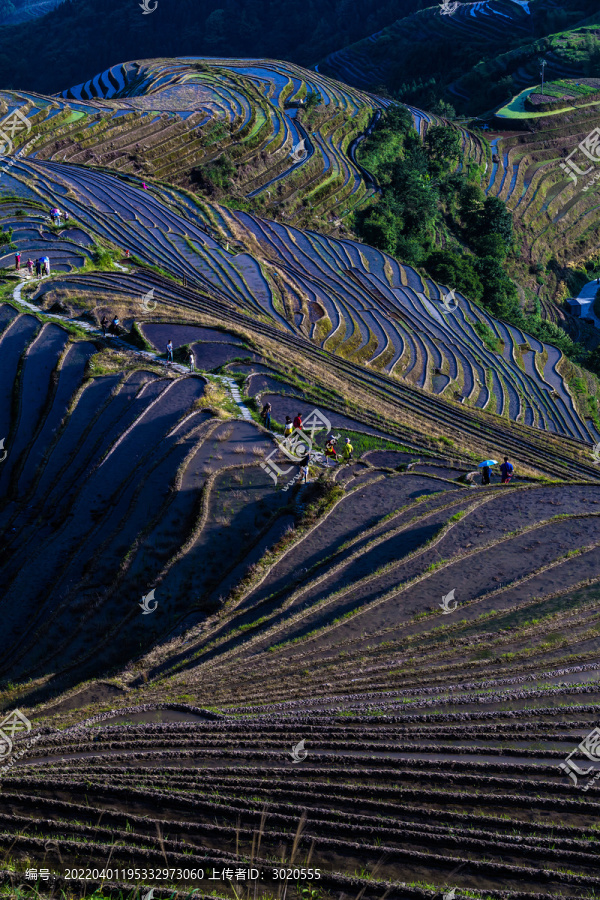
(154, 716)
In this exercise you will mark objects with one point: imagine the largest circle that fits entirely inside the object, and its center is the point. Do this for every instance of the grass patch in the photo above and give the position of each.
(488, 337)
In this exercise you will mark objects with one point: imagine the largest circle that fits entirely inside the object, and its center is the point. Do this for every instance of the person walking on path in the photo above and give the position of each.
(506, 470)
(330, 451)
(298, 421)
(47, 265)
(114, 326)
(18, 260)
(304, 467)
(348, 450)
(289, 427)
(38, 267)
(192, 360)
(103, 324)
(169, 351)
(485, 475)
(30, 266)
(266, 415)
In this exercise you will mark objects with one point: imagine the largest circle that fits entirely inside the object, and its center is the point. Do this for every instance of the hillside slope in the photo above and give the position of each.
(471, 57)
(14, 12)
(347, 298)
(46, 54)
(261, 133)
(228, 645)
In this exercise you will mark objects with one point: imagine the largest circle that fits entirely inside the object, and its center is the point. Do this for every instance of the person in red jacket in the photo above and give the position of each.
(298, 421)
(330, 451)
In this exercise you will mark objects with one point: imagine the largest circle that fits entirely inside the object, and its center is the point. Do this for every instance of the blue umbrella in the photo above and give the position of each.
(488, 462)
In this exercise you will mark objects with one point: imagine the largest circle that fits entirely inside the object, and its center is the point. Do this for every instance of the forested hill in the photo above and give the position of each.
(17, 11)
(85, 36)
(476, 58)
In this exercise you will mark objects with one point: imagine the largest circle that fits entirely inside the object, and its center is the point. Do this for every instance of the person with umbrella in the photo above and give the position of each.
(486, 470)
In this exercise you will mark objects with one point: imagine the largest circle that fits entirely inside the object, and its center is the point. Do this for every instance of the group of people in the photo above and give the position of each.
(331, 450)
(56, 215)
(191, 359)
(113, 328)
(506, 472)
(41, 265)
(332, 453)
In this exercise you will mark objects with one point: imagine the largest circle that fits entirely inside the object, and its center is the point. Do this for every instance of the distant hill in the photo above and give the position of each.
(477, 57)
(45, 55)
(13, 12)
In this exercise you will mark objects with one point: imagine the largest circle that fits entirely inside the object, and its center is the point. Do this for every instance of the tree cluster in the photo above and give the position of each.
(424, 196)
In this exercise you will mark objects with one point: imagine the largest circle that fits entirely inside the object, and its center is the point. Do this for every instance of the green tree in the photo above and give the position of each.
(443, 145)
(490, 245)
(456, 271)
(381, 228)
(471, 199)
(496, 219)
(215, 30)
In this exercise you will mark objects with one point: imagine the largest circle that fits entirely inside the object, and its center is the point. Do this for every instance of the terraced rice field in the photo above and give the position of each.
(367, 682)
(488, 25)
(342, 296)
(431, 746)
(169, 119)
(486, 22)
(554, 207)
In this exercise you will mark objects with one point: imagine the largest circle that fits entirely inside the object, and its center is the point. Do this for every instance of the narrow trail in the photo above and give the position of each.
(229, 383)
